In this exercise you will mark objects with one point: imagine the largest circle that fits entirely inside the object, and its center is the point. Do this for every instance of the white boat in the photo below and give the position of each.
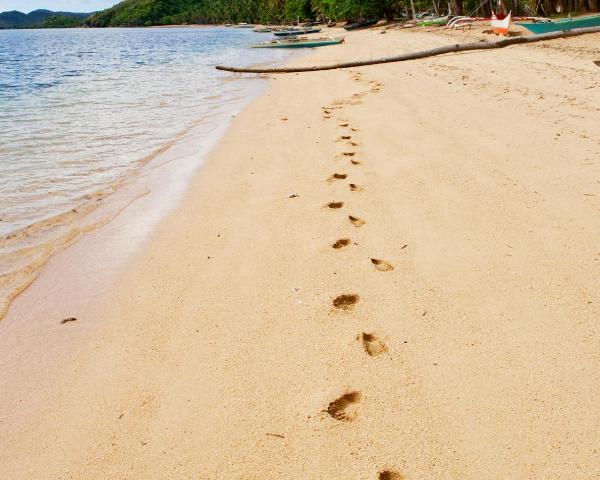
(501, 27)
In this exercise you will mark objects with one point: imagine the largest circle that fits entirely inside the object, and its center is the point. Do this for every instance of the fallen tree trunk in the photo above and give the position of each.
(462, 47)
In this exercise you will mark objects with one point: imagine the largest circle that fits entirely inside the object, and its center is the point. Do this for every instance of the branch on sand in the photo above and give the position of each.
(422, 54)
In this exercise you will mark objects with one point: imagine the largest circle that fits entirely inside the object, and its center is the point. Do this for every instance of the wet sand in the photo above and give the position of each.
(389, 272)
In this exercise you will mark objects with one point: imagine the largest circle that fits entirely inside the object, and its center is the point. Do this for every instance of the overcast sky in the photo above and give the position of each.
(27, 6)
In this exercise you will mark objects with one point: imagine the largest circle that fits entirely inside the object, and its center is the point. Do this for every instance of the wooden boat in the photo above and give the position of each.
(566, 24)
(501, 26)
(244, 25)
(296, 31)
(360, 25)
(299, 42)
(435, 22)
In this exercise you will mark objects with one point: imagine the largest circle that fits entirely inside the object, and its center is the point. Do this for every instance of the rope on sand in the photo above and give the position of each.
(422, 54)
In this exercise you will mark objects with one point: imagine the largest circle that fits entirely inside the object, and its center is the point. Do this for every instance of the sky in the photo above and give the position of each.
(27, 6)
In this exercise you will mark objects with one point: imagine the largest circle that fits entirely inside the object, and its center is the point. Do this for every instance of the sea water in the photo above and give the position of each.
(84, 111)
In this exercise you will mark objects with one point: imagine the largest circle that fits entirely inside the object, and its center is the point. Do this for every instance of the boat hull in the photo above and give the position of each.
(293, 33)
(299, 44)
(434, 22)
(360, 25)
(561, 25)
(501, 27)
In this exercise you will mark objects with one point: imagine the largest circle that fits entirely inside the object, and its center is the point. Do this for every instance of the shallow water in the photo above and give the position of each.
(83, 111)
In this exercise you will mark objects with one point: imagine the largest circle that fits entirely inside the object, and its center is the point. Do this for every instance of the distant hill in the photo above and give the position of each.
(36, 18)
(135, 13)
(148, 12)
(61, 21)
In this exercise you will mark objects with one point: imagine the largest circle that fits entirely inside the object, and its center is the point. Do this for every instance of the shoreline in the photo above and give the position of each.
(30, 240)
(159, 182)
(220, 351)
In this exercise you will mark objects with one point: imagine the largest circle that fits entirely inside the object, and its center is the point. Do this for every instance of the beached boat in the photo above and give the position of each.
(296, 31)
(299, 42)
(501, 26)
(244, 25)
(566, 24)
(360, 25)
(263, 30)
(435, 22)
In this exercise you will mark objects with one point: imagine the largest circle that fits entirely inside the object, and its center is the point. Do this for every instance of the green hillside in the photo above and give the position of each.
(36, 18)
(61, 21)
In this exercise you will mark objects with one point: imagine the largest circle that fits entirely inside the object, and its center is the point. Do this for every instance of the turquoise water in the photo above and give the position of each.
(82, 111)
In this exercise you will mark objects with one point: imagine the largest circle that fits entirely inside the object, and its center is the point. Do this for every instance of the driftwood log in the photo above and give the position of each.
(462, 47)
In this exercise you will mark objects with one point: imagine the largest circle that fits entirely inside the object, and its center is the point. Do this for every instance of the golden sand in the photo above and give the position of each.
(440, 323)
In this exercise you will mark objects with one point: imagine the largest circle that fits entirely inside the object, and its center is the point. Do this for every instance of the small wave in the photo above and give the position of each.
(42, 85)
(71, 127)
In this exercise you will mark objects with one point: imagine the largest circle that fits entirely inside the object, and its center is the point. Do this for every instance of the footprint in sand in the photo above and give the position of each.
(338, 176)
(344, 125)
(357, 222)
(376, 87)
(345, 408)
(390, 475)
(341, 243)
(354, 187)
(354, 162)
(343, 138)
(349, 154)
(382, 265)
(372, 344)
(335, 205)
(346, 301)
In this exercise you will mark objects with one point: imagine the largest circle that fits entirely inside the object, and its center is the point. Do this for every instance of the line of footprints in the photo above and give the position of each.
(345, 407)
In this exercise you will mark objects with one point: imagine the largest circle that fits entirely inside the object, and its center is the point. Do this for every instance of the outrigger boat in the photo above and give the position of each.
(567, 24)
(296, 31)
(299, 42)
(435, 22)
(361, 25)
(501, 26)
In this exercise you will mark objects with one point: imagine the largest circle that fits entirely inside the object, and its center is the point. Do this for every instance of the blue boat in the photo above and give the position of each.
(559, 25)
(297, 42)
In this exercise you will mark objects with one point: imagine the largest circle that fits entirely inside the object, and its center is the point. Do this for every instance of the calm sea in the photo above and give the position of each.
(83, 111)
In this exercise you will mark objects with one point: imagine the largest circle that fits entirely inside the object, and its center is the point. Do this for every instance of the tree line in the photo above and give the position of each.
(174, 12)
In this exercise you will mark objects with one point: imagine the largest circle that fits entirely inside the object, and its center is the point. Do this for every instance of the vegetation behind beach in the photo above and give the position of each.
(173, 12)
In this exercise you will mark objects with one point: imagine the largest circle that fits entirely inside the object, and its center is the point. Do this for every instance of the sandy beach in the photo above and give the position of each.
(387, 272)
